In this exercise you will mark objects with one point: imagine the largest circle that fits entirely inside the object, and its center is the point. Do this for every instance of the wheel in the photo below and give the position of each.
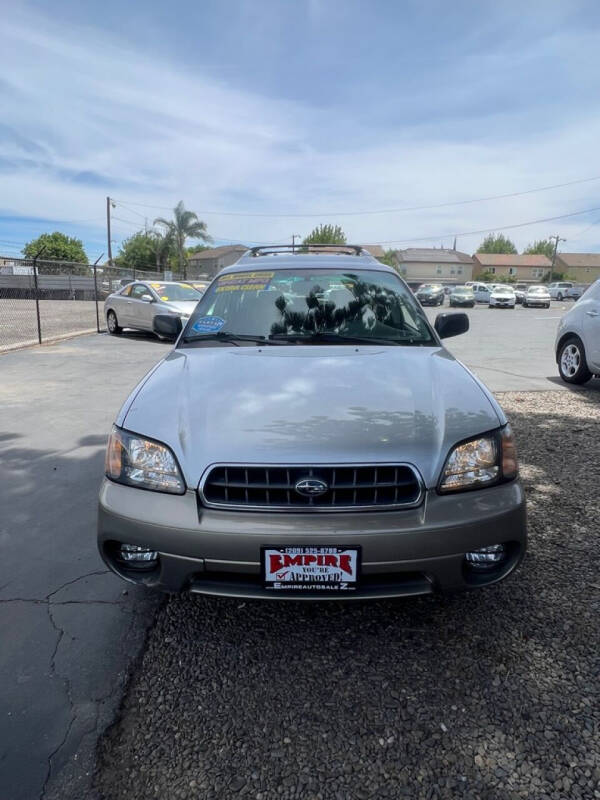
(524, 304)
(572, 365)
(547, 305)
(112, 324)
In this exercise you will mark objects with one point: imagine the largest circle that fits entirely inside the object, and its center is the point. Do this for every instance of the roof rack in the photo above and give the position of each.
(274, 249)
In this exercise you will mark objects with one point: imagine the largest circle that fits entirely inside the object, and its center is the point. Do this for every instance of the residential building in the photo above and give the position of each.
(523, 268)
(428, 264)
(214, 259)
(581, 267)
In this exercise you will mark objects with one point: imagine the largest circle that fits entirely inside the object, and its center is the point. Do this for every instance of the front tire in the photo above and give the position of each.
(112, 324)
(572, 366)
(559, 296)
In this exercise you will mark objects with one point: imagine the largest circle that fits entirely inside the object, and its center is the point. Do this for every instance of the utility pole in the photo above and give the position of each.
(108, 231)
(294, 237)
(557, 239)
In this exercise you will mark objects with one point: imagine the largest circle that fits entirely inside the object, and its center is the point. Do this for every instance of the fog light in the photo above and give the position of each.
(486, 557)
(137, 556)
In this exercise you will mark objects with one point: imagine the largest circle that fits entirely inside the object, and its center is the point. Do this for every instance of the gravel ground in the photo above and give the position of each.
(18, 321)
(492, 694)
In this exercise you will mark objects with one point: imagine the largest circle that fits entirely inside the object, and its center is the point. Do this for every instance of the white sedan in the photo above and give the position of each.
(537, 296)
(502, 297)
(138, 303)
(578, 339)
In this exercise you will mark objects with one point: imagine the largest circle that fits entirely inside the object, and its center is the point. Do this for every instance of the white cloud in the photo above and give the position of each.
(152, 132)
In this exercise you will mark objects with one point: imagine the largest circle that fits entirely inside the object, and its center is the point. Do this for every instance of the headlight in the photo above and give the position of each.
(135, 461)
(481, 462)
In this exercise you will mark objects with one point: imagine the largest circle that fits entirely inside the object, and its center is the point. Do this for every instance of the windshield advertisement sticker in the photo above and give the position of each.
(244, 281)
(208, 325)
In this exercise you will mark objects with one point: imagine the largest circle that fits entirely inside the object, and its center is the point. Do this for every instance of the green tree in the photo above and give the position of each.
(326, 234)
(184, 225)
(56, 247)
(543, 247)
(197, 248)
(146, 250)
(497, 244)
(389, 258)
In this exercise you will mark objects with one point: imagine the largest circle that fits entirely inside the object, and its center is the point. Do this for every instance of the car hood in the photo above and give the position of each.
(310, 405)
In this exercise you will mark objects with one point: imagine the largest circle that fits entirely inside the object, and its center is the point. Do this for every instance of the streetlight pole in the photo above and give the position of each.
(294, 237)
(108, 204)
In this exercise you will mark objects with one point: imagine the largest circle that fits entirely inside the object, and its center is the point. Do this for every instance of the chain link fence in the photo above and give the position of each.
(44, 301)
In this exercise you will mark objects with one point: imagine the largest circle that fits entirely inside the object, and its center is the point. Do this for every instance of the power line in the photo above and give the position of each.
(490, 230)
(377, 211)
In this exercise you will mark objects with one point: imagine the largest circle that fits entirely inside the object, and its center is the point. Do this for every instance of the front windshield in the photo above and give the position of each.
(176, 292)
(429, 287)
(294, 305)
(462, 290)
(537, 290)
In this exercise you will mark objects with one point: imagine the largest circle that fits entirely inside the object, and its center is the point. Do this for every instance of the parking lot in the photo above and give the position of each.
(486, 695)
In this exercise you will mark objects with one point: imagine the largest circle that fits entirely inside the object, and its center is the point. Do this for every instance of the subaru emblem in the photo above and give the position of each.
(311, 487)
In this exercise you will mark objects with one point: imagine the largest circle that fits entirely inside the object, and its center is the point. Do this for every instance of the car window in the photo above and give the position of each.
(126, 291)
(176, 292)
(138, 290)
(308, 302)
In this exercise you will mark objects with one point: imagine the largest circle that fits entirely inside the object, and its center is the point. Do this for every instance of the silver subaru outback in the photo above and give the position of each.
(309, 437)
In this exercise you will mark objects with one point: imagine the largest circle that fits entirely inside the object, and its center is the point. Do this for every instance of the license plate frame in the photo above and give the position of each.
(294, 574)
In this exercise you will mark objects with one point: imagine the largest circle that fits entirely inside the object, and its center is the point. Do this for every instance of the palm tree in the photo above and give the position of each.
(184, 225)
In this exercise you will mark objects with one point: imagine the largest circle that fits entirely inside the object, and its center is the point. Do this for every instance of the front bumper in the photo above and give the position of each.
(410, 552)
(503, 303)
(431, 301)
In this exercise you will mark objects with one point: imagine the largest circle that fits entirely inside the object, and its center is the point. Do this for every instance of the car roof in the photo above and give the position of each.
(342, 260)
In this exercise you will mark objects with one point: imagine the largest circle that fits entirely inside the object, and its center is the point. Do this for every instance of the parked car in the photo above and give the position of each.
(311, 438)
(575, 292)
(431, 294)
(559, 290)
(520, 292)
(502, 297)
(462, 296)
(482, 292)
(200, 286)
(137, 304)
(537, 296)
(578, 339)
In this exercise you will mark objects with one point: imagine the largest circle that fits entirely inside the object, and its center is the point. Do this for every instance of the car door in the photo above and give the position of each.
(141, 311)
(482, 293)
(590, 308)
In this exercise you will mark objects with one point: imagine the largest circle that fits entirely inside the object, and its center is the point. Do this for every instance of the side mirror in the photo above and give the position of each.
(147, 298)
(167, 325)
(447, 325)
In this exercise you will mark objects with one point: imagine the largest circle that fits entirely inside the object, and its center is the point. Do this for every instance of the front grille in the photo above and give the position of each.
(273, 487)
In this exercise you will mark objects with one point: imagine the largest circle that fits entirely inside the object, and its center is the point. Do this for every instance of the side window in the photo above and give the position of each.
(138, 290)
(126, 291)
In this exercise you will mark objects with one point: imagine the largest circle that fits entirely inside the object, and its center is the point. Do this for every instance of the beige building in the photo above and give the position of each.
(581, 267)
(214, 259)
(526, 268)
(428, 264)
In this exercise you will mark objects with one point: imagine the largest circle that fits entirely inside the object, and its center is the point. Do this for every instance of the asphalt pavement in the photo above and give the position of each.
(509, 349)
(69, 630)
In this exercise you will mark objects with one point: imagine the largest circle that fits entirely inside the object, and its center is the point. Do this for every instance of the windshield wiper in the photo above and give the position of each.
(226, 336)
(324, 336)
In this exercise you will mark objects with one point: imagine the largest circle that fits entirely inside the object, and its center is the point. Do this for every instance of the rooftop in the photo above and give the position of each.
(580, 259)
(512, 260)
(438, 255)
(216, 252)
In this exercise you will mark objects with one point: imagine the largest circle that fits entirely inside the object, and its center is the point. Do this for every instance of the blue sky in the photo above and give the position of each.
(315, 107)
